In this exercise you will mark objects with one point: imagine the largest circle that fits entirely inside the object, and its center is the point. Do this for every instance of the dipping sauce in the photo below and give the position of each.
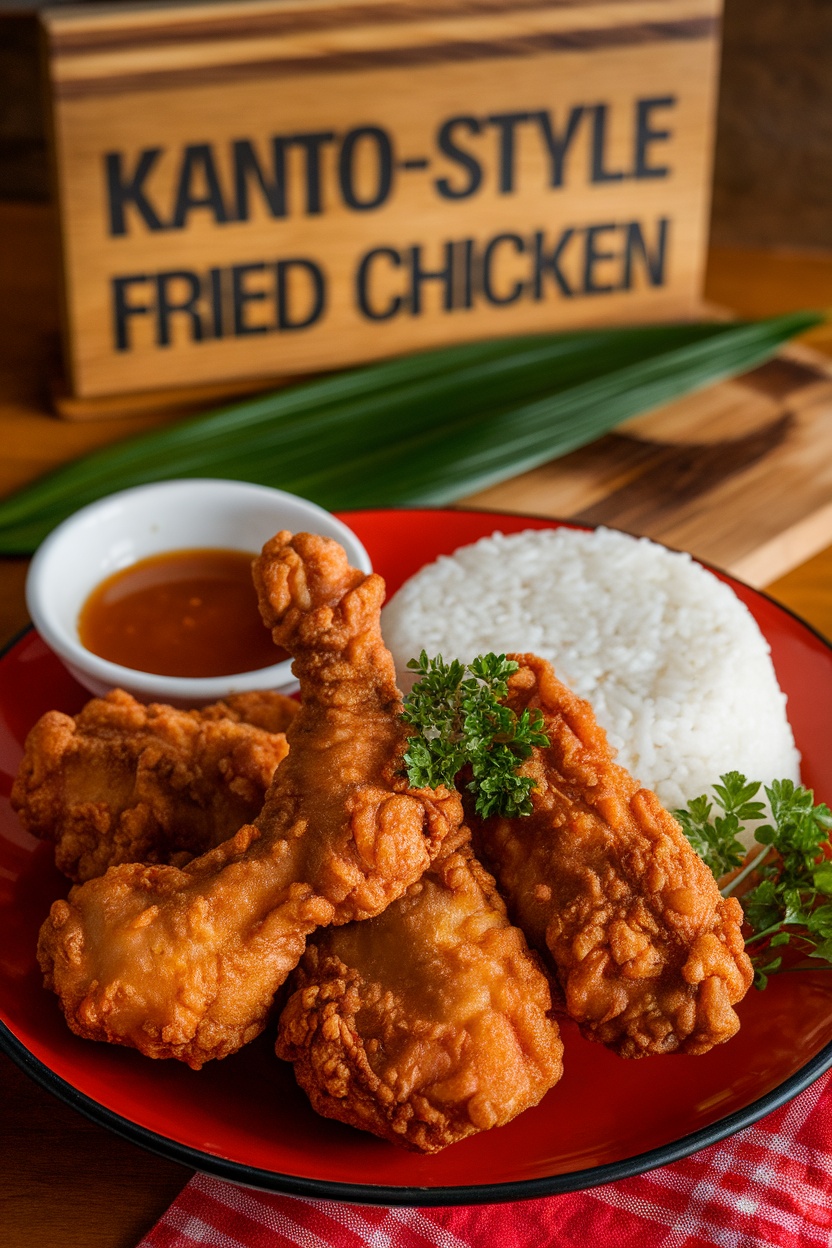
(183, 613)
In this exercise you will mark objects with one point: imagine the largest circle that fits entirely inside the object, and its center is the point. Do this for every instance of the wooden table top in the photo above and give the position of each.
(63, 1180)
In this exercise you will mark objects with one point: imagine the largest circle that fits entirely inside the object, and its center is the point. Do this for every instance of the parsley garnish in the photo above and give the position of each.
(715, 841)
(459, 721)
(788, 906)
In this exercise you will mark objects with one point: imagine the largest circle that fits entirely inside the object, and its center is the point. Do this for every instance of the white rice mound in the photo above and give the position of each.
(674, 665)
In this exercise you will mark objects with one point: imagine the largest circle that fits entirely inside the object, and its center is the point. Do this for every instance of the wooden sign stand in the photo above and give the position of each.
(277, 187)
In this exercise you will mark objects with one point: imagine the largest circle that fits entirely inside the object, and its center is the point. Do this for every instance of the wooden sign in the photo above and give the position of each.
(275, 187)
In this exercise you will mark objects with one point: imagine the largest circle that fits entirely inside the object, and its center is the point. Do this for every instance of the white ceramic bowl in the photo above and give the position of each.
(119, 530)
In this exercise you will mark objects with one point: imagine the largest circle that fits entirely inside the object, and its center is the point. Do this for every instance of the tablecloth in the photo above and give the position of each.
(768, 1186)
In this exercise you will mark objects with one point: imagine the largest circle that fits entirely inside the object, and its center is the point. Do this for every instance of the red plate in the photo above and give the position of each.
(244, 1118)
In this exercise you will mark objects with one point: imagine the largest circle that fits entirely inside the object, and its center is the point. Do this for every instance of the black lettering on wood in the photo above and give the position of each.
(598, 170)
(636, 251)
(247, 169)
(515, 291)
(217, 299)
(507, 123)
(362, 280)
(312, 145)
(198, 165)
(446, 140)
(384, 167)
(288, 316)
(418, 276)
(465, 274)
(594, 257)
(557, 145)
(123, 309)
(124, 189)
(550, 264)
(647, 135)
(167, 304)
(242, 296)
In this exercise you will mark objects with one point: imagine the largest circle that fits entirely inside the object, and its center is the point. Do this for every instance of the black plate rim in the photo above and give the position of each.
(479, 1194)
(377, 1194)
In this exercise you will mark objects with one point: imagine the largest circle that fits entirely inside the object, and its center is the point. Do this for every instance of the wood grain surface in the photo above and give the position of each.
(64, 1182)
(740, 474)
(340, 182)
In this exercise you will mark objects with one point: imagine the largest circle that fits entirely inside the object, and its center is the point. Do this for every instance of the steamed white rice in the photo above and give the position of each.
(674, 665)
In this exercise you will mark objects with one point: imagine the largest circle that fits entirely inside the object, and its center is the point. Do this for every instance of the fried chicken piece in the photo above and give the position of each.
(123, 782)
(262, 708)
(428, 1023)
(649, 956)
(185, 962)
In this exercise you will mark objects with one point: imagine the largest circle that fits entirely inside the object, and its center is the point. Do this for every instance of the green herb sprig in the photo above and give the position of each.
(422, 430)
(459, 721)
(715, 839)
(788, 906)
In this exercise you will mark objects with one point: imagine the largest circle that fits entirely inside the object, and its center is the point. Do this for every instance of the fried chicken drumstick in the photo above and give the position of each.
(123, 782)
(185, 962)
(428, 1023)
(649, 956)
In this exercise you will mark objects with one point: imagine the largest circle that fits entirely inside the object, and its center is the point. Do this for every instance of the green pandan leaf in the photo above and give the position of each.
(426, 429)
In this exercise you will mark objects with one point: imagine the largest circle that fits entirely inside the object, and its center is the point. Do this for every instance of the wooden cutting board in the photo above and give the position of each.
(739, 474)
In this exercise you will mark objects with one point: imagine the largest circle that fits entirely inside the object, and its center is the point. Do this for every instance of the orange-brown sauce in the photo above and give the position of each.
(183, 613)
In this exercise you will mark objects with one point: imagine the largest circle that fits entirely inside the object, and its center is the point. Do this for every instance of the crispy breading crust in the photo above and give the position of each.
(185, 962)
(650, 957)
(123, 782)
(428, 1023)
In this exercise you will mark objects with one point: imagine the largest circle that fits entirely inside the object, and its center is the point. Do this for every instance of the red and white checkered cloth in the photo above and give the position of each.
(769, 1186)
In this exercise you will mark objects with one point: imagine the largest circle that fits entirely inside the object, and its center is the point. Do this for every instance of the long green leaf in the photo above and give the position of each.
(428, 428)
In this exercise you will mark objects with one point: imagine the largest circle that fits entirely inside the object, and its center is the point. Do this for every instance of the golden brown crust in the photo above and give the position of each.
(428, 1023)
(185, 962)
(600, 877)
(262, 708)
(124, 782)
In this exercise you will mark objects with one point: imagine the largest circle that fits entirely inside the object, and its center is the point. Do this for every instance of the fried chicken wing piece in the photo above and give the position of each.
(649, 956)
(123, 782)
(262, 708)
(185, 962)
(428, 1023)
